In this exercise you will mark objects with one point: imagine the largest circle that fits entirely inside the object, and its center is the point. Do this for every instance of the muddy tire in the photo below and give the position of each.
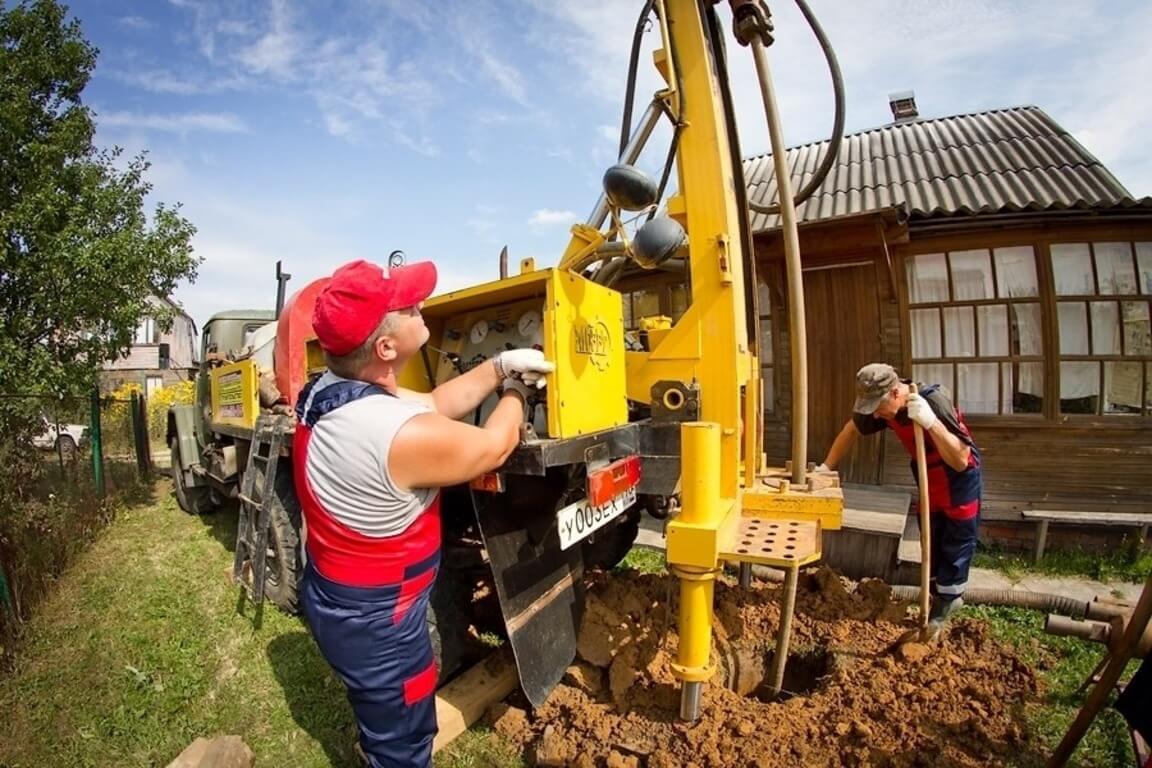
(608, 546)
(282, 563)
(66, 448)
(194, 501)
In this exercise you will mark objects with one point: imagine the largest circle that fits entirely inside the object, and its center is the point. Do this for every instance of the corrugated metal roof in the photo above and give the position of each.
(1000, 161)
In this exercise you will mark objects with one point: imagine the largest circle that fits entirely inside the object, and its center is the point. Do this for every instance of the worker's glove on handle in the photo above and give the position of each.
(527, 365)
(920, 411)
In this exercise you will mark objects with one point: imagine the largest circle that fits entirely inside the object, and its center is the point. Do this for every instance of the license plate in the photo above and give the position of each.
(578, 520)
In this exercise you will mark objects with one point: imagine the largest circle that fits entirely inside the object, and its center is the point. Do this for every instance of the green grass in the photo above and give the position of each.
(644, 560)
(144, 647)
(1063, 663)
(1127, 563)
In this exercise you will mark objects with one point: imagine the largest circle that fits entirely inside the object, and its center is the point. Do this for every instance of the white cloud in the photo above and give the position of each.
(178, 123)
(545, 217)
(275, 53)
(162, 81)
(134, 22)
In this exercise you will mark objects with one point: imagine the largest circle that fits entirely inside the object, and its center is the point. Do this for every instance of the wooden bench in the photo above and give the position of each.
(1045, 516)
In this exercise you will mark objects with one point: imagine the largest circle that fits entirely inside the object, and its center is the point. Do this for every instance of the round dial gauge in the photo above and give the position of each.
(479, 331)
(529, 324)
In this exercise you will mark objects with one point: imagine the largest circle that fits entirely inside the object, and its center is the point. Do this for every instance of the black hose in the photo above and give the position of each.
(630, 90)
(837, 122)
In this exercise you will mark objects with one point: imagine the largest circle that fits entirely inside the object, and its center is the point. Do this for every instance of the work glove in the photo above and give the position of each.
(920, 411)
(823, 468)
(516, 385)
(527, 365)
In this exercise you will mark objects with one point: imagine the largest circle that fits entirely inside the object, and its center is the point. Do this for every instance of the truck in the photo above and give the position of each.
(654, 408)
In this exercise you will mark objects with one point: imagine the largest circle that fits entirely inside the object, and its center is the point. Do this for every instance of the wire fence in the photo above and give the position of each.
(65, 470)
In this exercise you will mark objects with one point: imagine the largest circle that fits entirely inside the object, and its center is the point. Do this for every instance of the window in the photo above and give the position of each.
(148, 332)
(1103, 292)
(976, 327)
(767, 362)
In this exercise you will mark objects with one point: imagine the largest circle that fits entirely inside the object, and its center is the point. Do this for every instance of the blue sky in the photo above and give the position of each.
(319, 132)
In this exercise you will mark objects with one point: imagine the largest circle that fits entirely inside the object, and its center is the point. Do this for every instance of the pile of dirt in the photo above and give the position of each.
(850, 700)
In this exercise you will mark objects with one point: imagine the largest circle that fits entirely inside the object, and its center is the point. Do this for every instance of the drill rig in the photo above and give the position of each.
(651, 410)
(666, 419)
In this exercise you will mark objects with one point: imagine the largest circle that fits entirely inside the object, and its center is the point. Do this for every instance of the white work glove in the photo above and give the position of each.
(516, 386)
(527, 365)
(920, 411)
(823, 468)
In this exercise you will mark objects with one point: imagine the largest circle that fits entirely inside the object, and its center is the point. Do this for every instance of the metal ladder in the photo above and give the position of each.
(252, 541)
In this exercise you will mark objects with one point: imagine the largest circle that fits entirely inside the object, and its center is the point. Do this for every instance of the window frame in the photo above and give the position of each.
(1041, 240)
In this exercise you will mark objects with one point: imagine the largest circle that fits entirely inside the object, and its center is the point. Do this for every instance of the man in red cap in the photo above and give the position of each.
(955, 486)
(369, 461)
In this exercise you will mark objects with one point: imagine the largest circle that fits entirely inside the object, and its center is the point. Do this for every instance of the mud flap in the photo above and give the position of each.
(540, 586)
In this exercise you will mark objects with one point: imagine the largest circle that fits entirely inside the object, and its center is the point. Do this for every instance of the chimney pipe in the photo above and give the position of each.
(903, 105)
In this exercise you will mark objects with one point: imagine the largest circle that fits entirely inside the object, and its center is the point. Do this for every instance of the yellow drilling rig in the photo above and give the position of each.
(654, 408)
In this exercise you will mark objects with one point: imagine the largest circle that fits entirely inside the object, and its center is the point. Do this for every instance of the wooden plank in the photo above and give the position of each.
(463, 701)
(909, 549)
(879, 523)
(1087, 518)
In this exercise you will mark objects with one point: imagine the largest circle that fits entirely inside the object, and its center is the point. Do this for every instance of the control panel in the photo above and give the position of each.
(473, 338)
(577, 324)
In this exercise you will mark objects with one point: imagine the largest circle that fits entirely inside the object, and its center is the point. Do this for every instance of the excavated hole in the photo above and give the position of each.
(805, 674)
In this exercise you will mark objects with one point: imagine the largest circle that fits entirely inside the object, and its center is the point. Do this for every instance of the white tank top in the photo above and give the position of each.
(347, 464)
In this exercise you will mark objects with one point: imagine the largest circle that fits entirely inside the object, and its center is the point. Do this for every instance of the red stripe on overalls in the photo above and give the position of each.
(956, 494)
(348, 557)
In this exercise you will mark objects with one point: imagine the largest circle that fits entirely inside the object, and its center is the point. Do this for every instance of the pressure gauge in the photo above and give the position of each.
(529, 324)
(479, 332)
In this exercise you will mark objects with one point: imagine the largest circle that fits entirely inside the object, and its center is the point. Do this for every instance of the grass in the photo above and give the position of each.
(1127, 563)
(1063, 663)
(144, 646)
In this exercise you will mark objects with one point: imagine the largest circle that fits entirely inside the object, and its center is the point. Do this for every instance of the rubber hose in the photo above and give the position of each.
(1011, 598)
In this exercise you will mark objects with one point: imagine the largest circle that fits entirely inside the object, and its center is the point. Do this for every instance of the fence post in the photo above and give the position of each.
(140, 435)
(97, 444)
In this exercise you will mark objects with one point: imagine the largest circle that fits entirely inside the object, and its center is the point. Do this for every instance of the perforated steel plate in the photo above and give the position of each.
(774, 542)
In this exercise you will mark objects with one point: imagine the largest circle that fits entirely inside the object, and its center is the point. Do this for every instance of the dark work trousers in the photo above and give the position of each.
(953, 546)
(386, 663)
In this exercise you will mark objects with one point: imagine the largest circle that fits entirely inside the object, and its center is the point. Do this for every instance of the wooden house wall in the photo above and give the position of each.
(1043, 461)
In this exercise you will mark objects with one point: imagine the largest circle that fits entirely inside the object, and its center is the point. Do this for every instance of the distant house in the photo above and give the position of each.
(157, 358)
(990, 253)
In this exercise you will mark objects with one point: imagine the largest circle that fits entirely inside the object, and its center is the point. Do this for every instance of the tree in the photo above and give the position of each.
(79, 256)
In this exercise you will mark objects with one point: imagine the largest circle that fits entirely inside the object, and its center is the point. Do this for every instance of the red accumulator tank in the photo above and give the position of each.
(293, 332)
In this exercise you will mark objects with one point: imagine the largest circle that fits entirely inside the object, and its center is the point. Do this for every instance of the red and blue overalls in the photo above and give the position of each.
(953, 496)
(366, 600)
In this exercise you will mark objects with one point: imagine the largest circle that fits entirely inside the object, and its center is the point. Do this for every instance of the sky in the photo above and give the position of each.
(315, 132)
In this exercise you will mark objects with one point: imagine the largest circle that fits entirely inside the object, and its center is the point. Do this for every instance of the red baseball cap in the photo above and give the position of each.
(360, 293)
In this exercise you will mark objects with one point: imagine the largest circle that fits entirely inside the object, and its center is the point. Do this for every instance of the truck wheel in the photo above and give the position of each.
(194, 501)
(66, 447)
(282, 564)
(608, 546)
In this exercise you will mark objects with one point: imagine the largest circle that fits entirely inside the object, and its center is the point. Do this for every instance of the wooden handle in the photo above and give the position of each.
(925, 522)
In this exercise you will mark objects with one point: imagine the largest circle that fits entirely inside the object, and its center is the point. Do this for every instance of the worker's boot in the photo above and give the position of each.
(939, 614)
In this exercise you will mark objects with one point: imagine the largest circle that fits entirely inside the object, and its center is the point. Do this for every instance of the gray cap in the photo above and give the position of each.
(873, 382)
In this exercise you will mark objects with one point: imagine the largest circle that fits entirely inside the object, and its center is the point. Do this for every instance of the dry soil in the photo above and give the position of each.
(853, 696)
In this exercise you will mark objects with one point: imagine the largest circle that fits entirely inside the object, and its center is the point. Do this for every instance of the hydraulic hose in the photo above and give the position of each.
(837, 121)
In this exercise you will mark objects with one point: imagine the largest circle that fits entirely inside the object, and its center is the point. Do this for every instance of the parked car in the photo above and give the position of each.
(66, 438)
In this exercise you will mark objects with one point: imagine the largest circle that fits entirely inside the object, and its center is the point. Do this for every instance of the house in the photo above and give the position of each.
(990, 253)
(157, 357)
